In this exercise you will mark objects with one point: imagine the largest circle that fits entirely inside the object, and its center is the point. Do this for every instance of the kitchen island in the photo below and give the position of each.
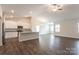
(24, 36)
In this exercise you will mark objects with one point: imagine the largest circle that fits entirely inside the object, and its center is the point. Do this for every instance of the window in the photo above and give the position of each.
(57, 28)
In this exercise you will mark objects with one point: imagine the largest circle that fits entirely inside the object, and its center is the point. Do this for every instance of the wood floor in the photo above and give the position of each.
(45, 45)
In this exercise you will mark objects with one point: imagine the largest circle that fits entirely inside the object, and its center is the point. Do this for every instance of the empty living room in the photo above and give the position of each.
(39, 29)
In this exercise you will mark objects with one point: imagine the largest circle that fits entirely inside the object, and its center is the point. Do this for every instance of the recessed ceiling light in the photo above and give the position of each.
(12, 11)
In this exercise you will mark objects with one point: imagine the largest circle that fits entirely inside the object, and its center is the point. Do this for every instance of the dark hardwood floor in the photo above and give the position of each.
(45, 45)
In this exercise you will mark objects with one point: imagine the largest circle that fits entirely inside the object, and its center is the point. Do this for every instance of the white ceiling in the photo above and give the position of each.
(70, 11)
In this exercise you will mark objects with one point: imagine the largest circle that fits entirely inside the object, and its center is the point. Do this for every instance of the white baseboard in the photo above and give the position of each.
(67, 36)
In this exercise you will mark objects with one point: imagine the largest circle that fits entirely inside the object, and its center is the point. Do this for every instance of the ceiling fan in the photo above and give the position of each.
(55, 7)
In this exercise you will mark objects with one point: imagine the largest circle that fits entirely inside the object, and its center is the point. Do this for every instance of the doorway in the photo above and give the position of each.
(48, 28)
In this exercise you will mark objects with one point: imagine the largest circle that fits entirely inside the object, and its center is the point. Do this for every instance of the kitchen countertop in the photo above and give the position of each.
(28, 32)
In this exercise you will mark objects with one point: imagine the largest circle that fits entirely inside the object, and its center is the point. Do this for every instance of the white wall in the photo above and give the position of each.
(34, 23)
(44, 27)
(68, 28)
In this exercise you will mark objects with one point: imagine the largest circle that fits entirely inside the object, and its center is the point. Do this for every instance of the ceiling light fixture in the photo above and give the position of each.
(55, 7)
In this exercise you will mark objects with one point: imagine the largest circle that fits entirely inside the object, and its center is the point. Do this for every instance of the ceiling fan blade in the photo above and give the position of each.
(60, 9)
